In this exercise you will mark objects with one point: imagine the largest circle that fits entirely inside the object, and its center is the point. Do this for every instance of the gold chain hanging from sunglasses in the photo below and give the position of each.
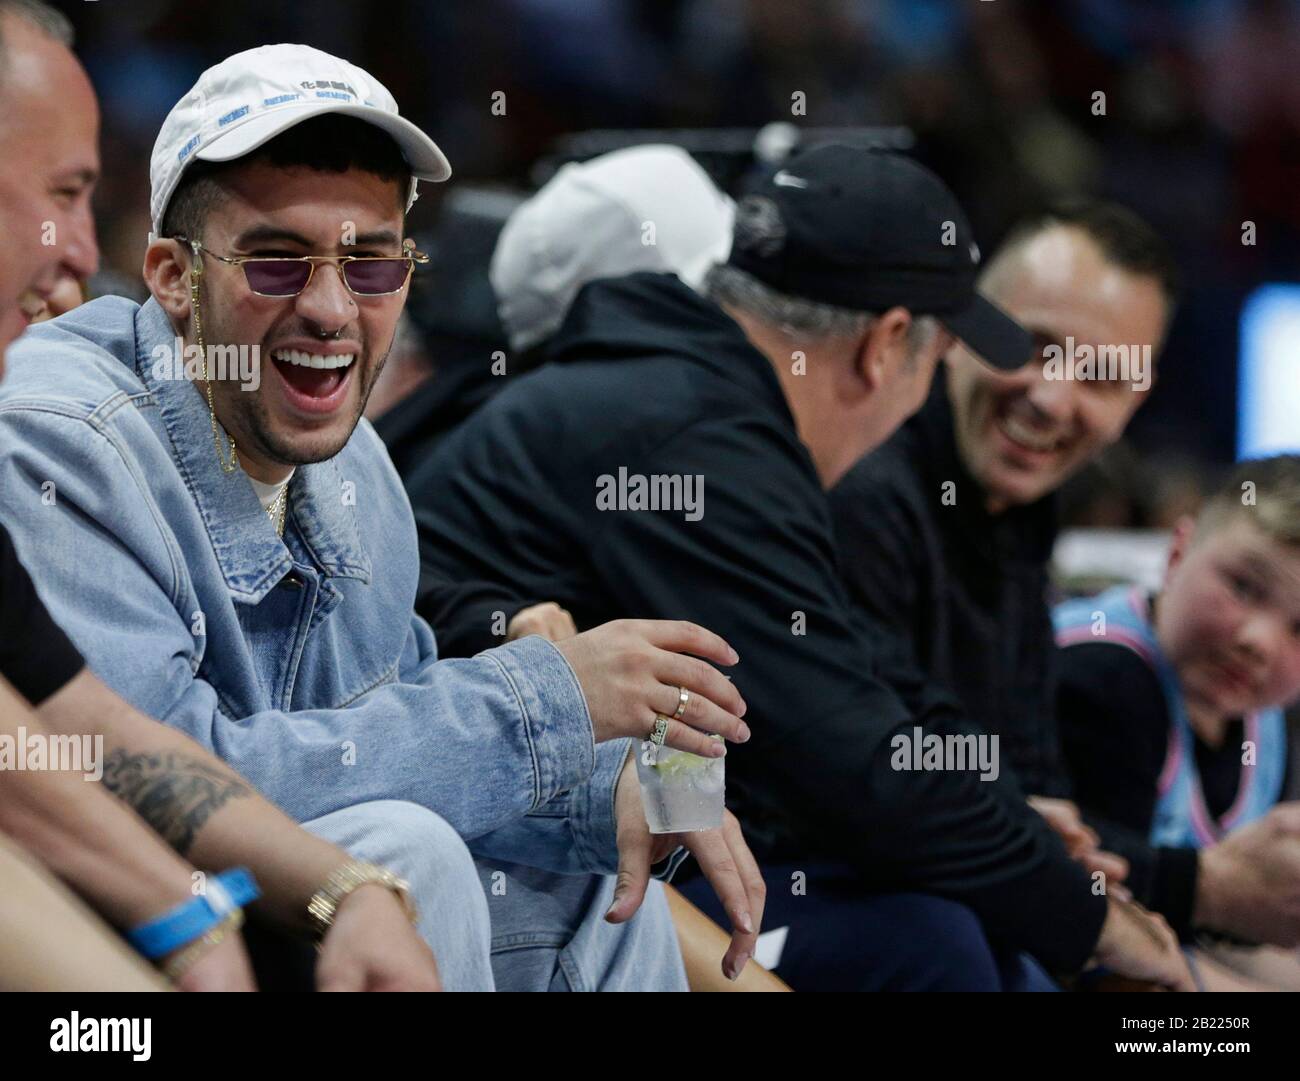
(233, 464)
(280, 505)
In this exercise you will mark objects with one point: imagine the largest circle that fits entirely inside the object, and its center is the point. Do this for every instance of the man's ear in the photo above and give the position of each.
(167, 265)
(883, 348)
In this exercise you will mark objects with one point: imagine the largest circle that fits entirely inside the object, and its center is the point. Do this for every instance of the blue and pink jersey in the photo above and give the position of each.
(1121, 617)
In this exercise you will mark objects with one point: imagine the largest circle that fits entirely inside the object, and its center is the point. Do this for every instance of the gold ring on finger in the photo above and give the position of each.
(683, 699)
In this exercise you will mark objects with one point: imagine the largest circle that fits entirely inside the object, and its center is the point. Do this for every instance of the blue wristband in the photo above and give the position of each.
(180, 926)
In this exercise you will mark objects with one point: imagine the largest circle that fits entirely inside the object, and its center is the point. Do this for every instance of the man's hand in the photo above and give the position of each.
(631, 669)
(371, 946)
(1140, 945)
(722, 855)
(1249, 883)
(549, 620)
(225, 967)
(1081, 840)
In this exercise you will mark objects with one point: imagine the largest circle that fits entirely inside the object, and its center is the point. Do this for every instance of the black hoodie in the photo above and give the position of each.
(964, 594)
(647, 377)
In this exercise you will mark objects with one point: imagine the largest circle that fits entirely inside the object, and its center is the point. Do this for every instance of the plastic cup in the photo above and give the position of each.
(681, 792)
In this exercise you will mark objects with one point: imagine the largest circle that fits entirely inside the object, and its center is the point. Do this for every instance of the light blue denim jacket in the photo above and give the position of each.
(299, 661)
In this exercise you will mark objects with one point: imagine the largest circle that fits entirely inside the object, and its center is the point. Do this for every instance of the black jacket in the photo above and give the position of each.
(418, 423)
(411, 431)
(964, 597)
(647, 376)
(1114, 724)
(963, 593)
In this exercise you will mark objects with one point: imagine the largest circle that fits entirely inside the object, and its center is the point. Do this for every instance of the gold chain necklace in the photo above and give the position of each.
(276, 511)
(280, 504)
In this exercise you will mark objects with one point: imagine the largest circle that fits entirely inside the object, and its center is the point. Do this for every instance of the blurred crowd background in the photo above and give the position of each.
(1200, 130)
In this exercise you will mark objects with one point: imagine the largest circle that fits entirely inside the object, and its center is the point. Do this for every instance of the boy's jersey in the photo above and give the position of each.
(1121, 616)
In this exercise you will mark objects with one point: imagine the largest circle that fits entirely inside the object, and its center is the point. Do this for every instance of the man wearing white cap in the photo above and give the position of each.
(233, 552)
(100, 845)
(96, 843)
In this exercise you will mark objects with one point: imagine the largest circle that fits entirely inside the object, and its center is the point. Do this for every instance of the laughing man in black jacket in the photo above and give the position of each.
(960, 584)
(738, 412)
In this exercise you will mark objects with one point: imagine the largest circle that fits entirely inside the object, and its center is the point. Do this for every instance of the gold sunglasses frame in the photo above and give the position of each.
(409, 254)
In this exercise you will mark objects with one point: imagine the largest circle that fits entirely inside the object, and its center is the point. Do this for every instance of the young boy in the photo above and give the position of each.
(1170, 705)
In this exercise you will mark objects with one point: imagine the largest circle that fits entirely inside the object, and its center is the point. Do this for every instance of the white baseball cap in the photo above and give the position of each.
(251, 97)
(644, 208)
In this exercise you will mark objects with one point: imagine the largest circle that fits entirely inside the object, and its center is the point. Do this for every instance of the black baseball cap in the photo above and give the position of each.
(869, 229)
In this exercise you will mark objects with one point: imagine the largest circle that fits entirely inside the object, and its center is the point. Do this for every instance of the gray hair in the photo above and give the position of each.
(796, 317)
(49, 21)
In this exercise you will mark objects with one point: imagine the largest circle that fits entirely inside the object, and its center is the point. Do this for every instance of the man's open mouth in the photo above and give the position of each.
(315, 382)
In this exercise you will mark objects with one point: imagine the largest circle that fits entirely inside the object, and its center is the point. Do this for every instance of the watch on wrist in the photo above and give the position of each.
(324, 904)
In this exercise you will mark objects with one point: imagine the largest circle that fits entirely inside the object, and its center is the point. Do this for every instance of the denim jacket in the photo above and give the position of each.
(297, 660)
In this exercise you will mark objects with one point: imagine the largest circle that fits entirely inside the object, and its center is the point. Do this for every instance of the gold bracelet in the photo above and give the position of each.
(184, 959)
(324, 904)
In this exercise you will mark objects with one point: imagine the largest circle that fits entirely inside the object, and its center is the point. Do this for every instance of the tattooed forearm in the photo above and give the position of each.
(175, 793)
